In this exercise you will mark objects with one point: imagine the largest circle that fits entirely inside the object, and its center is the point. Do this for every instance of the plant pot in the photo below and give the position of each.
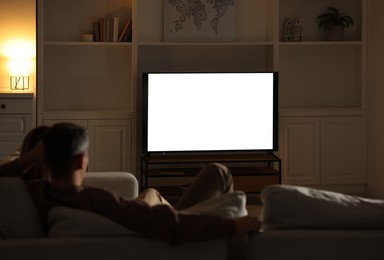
(334, 33)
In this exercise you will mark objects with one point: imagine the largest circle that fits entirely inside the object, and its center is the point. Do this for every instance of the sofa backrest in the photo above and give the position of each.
(123, 183)
(19, 217)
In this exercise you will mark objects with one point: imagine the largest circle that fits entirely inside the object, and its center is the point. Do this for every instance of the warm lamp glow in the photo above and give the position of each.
(19, 67)
(20, 53)
(19, 49)
(19, 71)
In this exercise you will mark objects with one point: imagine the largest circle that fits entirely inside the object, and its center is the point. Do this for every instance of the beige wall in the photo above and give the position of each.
(375, 99)
(17, 32)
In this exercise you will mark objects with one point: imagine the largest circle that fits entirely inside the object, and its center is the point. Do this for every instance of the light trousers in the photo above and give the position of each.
(212, 181)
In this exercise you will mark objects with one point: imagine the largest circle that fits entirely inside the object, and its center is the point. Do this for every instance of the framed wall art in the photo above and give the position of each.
(200, 20)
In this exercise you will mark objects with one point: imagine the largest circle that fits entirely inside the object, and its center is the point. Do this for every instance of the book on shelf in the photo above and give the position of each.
(107, 29)
(96, 31)
(126, 32)
(115, 29)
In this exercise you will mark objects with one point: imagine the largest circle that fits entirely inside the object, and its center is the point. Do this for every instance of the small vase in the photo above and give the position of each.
(334, 33)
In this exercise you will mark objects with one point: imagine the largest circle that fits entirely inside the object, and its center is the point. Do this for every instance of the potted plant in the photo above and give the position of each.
(334, 23)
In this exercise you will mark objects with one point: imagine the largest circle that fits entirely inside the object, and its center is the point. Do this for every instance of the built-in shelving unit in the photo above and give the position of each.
(88, 83)
(319, 80)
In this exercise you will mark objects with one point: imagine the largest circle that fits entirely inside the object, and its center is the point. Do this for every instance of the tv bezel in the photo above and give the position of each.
(275, 134)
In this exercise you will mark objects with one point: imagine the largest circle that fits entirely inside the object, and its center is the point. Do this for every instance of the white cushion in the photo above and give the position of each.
(69, 222)
(19, 217)
(228, 206)
(286, 206)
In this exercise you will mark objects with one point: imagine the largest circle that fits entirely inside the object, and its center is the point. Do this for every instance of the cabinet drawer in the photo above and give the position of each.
(15, 106)
(15, 125)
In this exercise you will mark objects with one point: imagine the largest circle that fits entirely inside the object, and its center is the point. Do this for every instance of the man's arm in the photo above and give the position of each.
(19, 166)
(11, 169)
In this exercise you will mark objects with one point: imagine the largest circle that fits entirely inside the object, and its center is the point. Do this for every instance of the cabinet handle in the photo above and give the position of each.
(3, 106)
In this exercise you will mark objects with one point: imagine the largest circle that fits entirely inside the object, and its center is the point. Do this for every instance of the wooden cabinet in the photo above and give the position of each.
(342, 153)
(110, 143)
(16, 120)
(300, 149)
(323, 99)
(323, 150)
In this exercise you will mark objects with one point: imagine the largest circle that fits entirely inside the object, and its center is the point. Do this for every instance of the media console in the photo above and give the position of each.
(172, 173)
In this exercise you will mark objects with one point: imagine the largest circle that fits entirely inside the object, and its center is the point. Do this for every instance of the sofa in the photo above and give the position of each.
(289, 231)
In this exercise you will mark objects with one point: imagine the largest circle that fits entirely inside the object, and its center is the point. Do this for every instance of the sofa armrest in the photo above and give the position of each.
(123, 183)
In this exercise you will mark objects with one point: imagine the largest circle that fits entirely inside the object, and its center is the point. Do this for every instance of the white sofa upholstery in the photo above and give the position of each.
(114, 248)
(123, 183)
(273, 243)
(317, 244)
(18, 214)
(29, 242)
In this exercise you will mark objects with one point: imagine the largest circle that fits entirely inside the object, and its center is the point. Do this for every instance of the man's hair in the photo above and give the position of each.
(62, 143)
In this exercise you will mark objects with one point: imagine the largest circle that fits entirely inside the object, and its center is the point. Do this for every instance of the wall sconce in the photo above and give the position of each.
(19, 71)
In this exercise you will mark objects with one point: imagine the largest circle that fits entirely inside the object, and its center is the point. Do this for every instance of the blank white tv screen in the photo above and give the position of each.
(210, 112)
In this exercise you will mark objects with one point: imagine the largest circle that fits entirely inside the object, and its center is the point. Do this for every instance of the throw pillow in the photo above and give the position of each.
(19, 217)
(228, 206)
(69, 222)
(286, 206)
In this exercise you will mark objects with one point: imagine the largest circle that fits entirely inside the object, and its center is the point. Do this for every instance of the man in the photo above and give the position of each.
(66, 153)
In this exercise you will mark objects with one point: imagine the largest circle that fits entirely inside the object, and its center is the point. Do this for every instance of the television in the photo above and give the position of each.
(210, 111)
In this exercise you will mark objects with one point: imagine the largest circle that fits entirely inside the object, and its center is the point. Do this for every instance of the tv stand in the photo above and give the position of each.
(172, 173)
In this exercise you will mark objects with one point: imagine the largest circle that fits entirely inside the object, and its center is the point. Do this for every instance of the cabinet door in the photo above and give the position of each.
(110, 145)
(342, 150)
(13, 128)
(299, 147)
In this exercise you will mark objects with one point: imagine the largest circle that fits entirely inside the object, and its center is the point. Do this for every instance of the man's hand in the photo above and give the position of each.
(247, 224)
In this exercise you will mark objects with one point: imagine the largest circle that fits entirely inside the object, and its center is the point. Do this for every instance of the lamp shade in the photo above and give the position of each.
(19, 71)
(19, 68)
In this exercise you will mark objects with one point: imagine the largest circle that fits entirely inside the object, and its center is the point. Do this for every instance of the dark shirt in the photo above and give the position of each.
(158, 222)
